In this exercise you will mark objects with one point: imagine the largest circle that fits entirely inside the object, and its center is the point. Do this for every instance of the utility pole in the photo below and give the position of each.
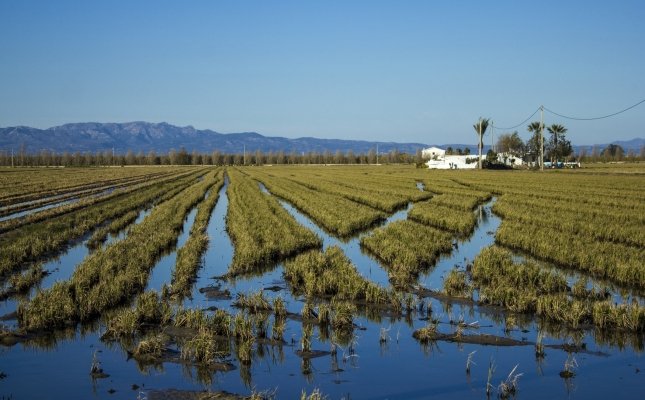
(492, 136)
(376, 153)
(480, 144)
(12, 157)
(541, 138)
(244, 152)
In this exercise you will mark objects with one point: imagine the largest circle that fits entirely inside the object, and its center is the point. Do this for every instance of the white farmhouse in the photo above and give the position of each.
(509, 159)
(454, 162)
(432, 153)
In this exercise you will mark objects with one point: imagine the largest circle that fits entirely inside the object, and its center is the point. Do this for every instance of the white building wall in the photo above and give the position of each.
(454, 162)
(509, 159)
(433, 152)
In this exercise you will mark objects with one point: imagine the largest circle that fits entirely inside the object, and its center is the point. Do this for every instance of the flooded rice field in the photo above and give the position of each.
(60, 267)
(381, 359)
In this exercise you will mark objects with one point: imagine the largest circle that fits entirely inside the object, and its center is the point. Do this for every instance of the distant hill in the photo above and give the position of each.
(635, 145)
(162, 137)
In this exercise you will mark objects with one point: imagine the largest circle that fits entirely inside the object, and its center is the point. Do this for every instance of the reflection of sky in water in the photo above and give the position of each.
(467, 250)
(162, 271)
(35, 210)
(399, 369)
(62, 267)
(51, 205)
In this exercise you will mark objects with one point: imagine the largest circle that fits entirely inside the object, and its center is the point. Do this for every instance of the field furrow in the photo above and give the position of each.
(261, 230)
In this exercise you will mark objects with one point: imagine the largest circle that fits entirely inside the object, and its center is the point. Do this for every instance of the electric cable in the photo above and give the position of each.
(521, 123)
(595, 118)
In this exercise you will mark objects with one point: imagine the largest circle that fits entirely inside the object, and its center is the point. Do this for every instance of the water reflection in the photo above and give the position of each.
(123, 233)
(54, 204)
(358, 362)
(161, 273)
(366, 265)
(62, 266)
(38, 209)
(219, 254)
(465, 250)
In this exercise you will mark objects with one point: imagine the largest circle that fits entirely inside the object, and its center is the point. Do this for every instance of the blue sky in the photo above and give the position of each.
(407, 71)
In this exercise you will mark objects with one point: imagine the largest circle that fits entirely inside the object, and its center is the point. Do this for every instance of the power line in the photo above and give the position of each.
(523, 122)
(594, 118)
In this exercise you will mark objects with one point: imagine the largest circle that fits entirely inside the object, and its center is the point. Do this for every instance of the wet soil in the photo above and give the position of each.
(174, 394)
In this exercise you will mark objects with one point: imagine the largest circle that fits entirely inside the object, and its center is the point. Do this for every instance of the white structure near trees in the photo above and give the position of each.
(454, 162)
(433, 153)
(509, 159)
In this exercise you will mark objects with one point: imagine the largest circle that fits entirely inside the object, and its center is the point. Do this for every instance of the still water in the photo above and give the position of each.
(399, 368)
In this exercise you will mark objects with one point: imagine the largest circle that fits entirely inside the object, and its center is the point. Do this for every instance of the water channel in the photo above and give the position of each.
(399, 368)
(62, 266)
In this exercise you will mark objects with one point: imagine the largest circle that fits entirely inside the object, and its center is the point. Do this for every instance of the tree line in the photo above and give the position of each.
(557, 148)
(22, 158)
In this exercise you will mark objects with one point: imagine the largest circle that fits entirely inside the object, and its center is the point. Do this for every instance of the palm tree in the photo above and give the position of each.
(536, 128)
(480, 128)
(557, 132)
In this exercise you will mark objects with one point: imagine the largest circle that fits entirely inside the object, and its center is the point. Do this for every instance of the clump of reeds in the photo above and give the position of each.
(489, 379)
(152, 346)
(95, 367)
(470, 362)
(628, 317)
(539, 346)
(384, 334)
(242, 327)
(253, 303)
(461, 222)
(509, 387)
(324, 314)
(343, 318)
(524, 287)
(151, 309)
(244, 351)
(125, 323)
(405, 256)
(428, 333)
(570, 364)
(261, 326)
(190, 318)
(50, 308)
(277, 330)
(279, 307)
(305, 340)
(579, 289)
(456, 284)
(202, 348)
(308, 311)
(220, 323)
(315, 395)
(100, 235)
(21, 283)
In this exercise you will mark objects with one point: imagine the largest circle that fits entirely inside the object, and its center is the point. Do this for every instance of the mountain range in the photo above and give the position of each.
(163, 137)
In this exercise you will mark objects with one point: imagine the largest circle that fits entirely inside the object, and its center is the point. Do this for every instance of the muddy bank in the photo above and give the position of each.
(437, 295)
(169, 355)
(576, 348)
(173, 394)
(425, 335)
(216, 293)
